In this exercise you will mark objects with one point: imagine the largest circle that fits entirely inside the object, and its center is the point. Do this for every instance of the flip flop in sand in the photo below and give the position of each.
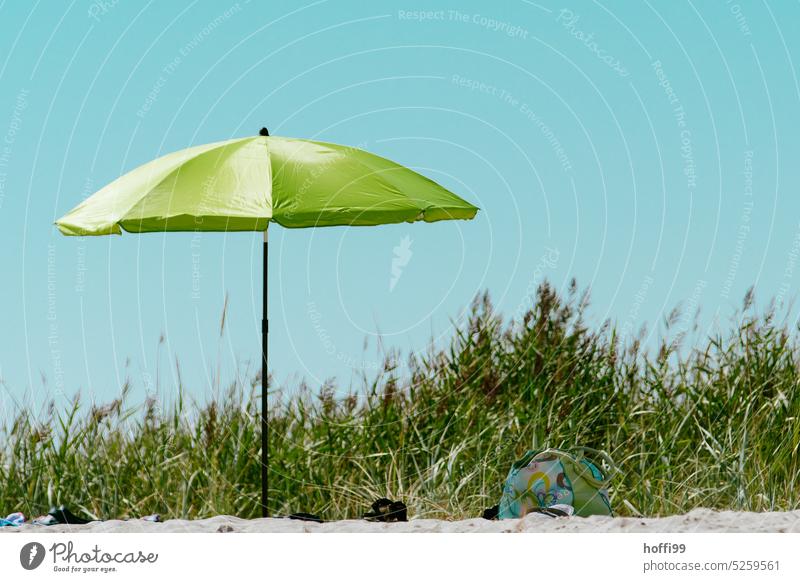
(386, 510)
(491, 512)
(45, 520)
(306, 517)
(557, 510)
(63, 515)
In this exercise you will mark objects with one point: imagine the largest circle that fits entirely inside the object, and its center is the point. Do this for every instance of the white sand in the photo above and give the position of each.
(699, 520)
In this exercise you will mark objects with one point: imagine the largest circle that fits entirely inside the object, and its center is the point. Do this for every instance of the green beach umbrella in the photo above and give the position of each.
(245, 184)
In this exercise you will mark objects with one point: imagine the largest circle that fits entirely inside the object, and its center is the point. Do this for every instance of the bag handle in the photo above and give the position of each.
(582, 470)
(613, 469)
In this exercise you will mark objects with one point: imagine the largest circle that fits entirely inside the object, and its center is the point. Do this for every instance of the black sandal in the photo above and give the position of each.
(491, 512)
(551, 511)
(64, 515)
(306, 517)
(388, 511)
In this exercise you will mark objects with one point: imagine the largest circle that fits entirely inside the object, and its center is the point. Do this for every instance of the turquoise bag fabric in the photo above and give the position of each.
(551, 476)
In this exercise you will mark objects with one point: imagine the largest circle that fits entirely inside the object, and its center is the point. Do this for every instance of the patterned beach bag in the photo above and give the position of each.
(551, 476)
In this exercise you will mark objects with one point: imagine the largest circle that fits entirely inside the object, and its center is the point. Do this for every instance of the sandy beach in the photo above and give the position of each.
(697, 521)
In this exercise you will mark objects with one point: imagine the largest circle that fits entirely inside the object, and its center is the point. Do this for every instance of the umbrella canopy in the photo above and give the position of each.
(243, 184)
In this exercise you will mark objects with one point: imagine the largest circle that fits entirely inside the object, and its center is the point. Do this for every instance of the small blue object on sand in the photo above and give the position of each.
(14, 520)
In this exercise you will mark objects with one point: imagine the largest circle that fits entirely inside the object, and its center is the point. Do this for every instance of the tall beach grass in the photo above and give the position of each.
(716, 424)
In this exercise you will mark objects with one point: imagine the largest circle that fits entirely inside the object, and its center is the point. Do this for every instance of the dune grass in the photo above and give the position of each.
(714, 425)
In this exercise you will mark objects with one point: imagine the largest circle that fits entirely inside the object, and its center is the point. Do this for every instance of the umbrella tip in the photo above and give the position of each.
(264, 131)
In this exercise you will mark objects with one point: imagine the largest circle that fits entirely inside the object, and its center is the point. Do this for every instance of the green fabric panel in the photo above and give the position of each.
(243, 184)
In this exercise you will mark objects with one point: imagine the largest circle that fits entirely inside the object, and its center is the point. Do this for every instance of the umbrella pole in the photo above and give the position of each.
(264, 401)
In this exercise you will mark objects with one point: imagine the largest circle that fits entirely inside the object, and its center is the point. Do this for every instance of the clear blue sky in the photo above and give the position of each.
(647, 149)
